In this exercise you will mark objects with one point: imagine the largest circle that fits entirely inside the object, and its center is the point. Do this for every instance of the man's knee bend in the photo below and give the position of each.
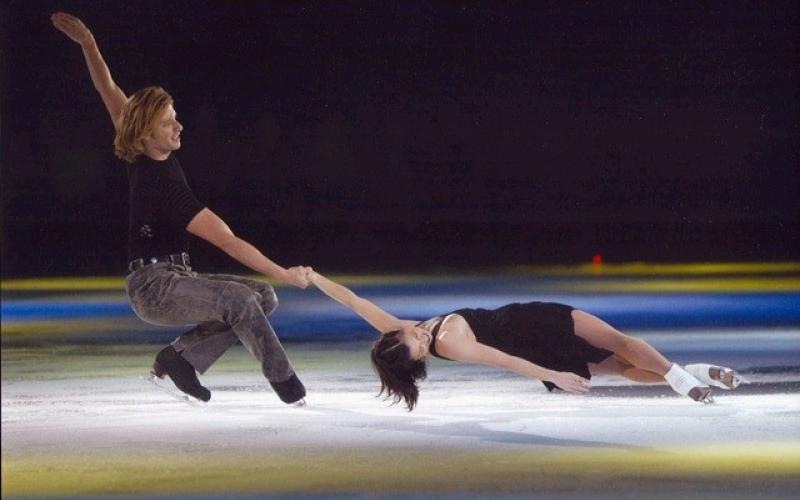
(269, 301)
(241, 302)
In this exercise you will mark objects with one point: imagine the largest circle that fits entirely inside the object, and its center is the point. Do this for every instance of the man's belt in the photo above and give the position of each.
(179, 259)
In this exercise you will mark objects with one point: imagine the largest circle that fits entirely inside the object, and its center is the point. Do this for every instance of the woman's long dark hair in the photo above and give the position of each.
(399, 374)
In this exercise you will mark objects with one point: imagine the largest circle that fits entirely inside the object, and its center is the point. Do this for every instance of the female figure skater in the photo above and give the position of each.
(162, 287)
(555, 343)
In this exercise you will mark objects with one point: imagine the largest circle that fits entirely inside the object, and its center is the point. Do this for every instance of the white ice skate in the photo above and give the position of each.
(718, 376)
(686, 384)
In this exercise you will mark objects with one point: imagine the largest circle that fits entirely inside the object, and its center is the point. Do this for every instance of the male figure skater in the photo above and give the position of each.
(162, 287)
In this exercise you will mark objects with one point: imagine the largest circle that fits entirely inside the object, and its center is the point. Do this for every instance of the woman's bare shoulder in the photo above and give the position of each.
(453, 336)
(455, 322)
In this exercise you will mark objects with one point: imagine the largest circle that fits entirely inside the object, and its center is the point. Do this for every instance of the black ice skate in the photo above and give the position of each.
(169, 362)
(291, 391)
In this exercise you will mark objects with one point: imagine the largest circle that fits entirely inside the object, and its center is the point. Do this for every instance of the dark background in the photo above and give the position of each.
(416, 135)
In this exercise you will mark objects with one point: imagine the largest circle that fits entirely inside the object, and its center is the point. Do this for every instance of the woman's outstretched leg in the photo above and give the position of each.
(635, 351)
(640, 354)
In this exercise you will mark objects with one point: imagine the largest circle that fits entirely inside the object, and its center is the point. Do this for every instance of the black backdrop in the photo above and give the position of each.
(417, 135)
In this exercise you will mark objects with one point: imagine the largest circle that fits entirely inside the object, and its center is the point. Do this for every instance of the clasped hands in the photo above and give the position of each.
(299, 276)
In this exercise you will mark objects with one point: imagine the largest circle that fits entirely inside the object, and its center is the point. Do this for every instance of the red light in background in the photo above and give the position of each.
(597, 265)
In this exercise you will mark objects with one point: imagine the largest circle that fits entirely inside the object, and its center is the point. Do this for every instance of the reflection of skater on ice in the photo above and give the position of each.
(554, 343)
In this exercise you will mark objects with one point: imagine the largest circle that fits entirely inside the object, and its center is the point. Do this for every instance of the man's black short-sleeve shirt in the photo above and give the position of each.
(161, 206)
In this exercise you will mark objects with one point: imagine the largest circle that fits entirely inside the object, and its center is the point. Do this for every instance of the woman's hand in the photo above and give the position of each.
(72, 27)
(570, 382)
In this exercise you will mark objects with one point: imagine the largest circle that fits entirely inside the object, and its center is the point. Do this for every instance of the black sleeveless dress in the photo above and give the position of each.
(540, 332)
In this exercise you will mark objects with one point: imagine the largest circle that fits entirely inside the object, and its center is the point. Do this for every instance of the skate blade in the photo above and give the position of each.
(300, 403)
(173, 391)
(701, 395)
(729, 379)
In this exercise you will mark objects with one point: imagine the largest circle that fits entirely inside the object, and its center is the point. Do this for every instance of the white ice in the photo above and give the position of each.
(460, 406)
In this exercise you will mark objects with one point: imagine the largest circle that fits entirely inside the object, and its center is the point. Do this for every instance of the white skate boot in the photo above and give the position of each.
(718, 376)
(686, 384)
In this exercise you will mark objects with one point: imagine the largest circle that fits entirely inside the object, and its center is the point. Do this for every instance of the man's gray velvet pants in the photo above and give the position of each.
(225, 308)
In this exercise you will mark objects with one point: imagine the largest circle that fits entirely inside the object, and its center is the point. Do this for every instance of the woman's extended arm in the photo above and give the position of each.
(475, 352)
(372, 314)
(207, 225)
(113, 97)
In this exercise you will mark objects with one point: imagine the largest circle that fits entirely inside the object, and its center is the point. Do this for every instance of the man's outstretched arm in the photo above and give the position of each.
(207, 225)
(113, 97)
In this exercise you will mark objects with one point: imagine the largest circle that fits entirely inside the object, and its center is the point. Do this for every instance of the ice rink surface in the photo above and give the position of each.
(79, 420)
(87, 416)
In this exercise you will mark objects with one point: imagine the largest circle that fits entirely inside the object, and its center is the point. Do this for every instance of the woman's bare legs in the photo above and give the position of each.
(635, 352)
(617, 365)
(639, 355)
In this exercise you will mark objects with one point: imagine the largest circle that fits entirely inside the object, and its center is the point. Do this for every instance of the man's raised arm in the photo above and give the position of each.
(113, 97)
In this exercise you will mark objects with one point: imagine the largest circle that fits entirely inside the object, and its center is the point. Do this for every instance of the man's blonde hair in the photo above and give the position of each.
(138, 121)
